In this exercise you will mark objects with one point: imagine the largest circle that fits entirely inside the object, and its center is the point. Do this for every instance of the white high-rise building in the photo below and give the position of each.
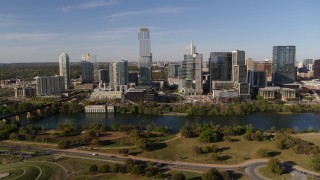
(190, 73)
(87, 68)
(46, 86)
(64, 69)
(145, 62)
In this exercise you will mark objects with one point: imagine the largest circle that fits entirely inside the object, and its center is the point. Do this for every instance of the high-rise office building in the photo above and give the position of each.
(308, 63)
(49, 85)
(87, 68)
(316, 69)
(173, 70)
(257, 79)
(118, 73)
(251, 64)
(96, 72)
(104, 76)
(220, 66)
(267, 67)
(190, 73)
(283, 64)
(239, 68)
(239, 74)
(64, 69)
(145, 62)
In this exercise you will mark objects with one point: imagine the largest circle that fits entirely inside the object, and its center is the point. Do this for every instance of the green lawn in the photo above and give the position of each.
(310, 137)
(267, 173)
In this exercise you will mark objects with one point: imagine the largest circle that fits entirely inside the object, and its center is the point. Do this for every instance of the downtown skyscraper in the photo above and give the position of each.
(220, 66)
(87, 68)
(64, 69)
(190, 73)
(283, 67)
(145, 61)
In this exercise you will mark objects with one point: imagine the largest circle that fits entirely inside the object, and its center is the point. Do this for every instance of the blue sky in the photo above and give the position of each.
(39, 30)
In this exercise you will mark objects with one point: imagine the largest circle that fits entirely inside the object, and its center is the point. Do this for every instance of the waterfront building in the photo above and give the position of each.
(316, 69)
(96, 109)
(87, 68)
(190, 73)
(283, 65)
(272, 93)
(220, 66)
(101, 95)
(46, 86)
(145, 62)
(118, 73)
(64, 69)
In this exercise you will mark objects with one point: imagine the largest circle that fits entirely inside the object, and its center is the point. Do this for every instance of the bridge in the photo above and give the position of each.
(38, 110)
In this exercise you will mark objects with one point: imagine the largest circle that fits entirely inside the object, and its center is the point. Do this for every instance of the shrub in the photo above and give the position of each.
(275, 166)
(215, 174)
(178, 176)
(197, 150)
(64, 144)
(93, 168)
(104, 168)
(263, 152)
(160, 175)
(124, 151)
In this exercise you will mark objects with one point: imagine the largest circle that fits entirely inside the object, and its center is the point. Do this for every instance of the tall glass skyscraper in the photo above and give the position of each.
(64, 69)
(190, 73)
(220, 66)
(87, 68)
(283, 67)
(145, 62)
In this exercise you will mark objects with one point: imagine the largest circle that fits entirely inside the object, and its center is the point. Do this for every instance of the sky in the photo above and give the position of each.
(40, 30)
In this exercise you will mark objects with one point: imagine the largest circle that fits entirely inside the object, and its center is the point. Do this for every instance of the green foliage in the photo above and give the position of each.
(124, 151)
(210, 135)
(64, 144)
(93, 168)
(264, 152)
(105, 168)
(214, 174)
(178, 176)
(316, 162)
(275, 166)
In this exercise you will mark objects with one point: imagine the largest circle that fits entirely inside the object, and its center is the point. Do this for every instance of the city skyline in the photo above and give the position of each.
(38, 31)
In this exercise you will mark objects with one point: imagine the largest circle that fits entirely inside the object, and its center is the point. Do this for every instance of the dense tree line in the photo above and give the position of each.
(220, 109)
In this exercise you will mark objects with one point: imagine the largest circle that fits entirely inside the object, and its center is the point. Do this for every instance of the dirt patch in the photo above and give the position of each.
(2, 175)
(112, 135)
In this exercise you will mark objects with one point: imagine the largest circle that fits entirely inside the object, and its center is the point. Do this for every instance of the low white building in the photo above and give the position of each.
(95, 109)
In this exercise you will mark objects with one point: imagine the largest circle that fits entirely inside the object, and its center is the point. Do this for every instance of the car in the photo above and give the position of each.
(94, 154)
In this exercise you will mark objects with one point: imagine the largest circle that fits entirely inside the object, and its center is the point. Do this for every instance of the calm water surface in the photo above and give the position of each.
(302, 121)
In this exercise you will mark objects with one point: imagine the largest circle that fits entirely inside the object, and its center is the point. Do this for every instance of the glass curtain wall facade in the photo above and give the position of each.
(64, 69)
(145, 62)
(283, 67)
(220, 66)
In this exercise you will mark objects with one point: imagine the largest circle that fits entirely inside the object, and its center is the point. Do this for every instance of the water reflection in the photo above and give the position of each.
(303, 121)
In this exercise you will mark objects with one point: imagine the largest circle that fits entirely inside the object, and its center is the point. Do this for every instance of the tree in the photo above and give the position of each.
(129, 164)
(124, 151)
(179, 176)
(263, 152)
(64, 144)
(275, 166)
(93, 168)
(316, 162)
(213, 174)
(104, 168)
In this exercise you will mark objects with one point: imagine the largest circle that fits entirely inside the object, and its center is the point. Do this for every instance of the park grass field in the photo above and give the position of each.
(267, 173)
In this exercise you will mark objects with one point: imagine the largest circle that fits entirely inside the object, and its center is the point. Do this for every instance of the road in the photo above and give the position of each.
(250, 166)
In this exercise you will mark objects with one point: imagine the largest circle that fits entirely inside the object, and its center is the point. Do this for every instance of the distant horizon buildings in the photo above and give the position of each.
(145, 61)
(64, 69)
(283, 65)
